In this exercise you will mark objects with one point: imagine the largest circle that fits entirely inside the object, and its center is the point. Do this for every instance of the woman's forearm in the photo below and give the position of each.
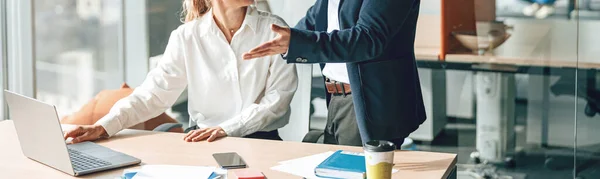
(158, 92)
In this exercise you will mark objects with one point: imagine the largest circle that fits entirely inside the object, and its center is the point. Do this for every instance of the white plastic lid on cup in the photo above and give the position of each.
(379, 146)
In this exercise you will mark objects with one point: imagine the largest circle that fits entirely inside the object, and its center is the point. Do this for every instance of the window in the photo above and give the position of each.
(77, 47)
(63, 52)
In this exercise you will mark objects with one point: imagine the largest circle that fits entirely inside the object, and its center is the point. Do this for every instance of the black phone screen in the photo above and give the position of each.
(229, 160)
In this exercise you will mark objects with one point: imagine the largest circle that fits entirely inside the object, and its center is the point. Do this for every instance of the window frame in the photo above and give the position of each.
(17, 52)
(20, 47)
(3, 108)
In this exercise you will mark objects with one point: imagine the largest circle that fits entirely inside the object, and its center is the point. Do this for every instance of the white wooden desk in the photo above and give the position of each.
(169, 148)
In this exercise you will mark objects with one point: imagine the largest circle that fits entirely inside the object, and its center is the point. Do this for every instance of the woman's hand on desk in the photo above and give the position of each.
(209, 134)
(86, 133)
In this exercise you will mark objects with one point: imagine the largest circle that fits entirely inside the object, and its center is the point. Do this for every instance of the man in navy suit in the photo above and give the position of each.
(366, 51)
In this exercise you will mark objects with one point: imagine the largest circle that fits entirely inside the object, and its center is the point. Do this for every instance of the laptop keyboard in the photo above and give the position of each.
(82, 162)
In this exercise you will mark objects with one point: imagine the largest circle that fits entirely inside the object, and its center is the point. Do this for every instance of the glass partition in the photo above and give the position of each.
(513, 69)
(587, 157)
(507, 109)
(511, 84)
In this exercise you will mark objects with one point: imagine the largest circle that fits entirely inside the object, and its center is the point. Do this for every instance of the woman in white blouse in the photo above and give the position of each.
(227, 96)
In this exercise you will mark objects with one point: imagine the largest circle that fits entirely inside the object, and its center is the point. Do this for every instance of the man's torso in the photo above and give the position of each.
(386, 89)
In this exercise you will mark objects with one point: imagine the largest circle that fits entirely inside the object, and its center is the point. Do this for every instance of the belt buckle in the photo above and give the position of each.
(335, 87)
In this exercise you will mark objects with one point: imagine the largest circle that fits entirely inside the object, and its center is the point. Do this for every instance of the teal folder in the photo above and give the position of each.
(343, 164)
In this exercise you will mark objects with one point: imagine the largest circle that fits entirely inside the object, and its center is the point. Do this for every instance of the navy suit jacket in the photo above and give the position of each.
(376, 41)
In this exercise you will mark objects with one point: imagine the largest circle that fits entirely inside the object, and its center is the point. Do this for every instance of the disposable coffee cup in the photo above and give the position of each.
(379, 158)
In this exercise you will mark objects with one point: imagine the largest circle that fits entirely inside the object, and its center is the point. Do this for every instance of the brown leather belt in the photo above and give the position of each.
(334, 87)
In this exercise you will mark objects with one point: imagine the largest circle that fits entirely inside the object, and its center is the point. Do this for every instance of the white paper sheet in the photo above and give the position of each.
(173, 171)
(305, 166)
(303, 171)
(317, 158)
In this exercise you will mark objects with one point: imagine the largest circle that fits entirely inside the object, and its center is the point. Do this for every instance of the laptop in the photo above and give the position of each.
(42, 140)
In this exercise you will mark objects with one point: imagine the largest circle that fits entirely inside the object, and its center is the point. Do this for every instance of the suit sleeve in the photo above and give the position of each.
(378, 21)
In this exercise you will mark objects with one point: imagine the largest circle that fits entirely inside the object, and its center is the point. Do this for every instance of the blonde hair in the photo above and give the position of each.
(193, 9)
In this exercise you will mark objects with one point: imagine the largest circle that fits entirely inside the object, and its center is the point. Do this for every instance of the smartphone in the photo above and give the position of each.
(229, 160)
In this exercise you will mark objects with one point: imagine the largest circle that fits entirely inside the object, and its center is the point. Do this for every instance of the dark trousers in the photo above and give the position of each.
(271, 135)
(342, 128)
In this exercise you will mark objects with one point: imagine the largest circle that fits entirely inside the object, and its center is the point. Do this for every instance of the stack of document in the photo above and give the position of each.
(175, 171)
(305, 166)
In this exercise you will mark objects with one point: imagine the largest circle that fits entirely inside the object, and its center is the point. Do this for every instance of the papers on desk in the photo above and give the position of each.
(305, 166)
(175, 171)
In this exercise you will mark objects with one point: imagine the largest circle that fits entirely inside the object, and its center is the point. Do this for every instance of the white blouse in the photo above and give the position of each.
(241, 96)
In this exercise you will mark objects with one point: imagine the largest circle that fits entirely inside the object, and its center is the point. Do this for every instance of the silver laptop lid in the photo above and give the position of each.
(39, 131)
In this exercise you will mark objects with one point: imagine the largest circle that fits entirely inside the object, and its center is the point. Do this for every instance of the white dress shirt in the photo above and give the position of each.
(241, 96)
(335, 71)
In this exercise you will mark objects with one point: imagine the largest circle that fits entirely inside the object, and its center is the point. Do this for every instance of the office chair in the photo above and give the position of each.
(586, 90)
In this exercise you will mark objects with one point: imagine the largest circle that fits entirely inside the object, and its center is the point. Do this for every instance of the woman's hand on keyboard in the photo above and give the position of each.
(84, 133)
